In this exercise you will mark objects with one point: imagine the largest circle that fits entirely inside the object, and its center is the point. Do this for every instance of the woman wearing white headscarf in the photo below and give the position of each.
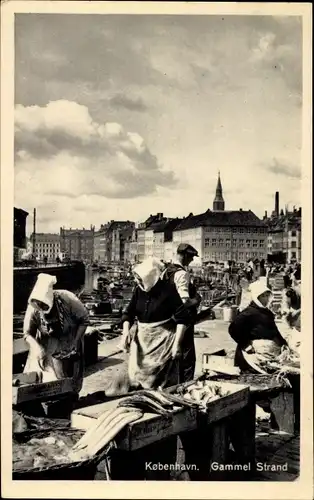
(54, 324)
(161, 323)
(254, 329)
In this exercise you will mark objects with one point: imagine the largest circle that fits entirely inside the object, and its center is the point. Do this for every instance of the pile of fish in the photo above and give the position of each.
(202, 392)
(103, 432)
(111, 423)
(45, 451)
(280, 366)
(287, 361)
(151, 401)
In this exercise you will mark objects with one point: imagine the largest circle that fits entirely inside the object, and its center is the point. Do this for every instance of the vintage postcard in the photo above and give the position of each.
(156, 244)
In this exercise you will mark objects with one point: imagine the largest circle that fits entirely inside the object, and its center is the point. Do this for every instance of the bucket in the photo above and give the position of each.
(229, 313)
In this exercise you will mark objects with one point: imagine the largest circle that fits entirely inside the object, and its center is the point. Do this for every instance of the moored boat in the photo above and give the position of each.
(70, 276)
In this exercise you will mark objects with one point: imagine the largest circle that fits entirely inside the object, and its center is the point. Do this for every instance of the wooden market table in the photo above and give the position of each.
(148, 447)
(283, 401)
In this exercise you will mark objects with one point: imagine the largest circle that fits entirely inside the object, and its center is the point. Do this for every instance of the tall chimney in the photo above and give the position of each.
(34, 231)
(277, 203)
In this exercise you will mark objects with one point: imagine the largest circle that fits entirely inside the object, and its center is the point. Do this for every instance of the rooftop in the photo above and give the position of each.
(221, 218)
(46, 235)
(120, 224)
(278, 223)
(20, 211)
(153, 219)
(167, 226)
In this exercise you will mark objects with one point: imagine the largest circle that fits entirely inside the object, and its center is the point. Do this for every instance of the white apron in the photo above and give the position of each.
(150, 361)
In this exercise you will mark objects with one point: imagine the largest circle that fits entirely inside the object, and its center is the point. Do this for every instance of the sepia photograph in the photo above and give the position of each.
(158, 231)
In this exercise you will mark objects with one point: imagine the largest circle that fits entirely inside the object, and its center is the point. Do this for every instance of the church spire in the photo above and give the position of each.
(219, 203)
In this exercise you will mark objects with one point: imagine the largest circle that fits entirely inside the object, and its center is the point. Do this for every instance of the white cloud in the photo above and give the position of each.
(264, 47)
(65, 152)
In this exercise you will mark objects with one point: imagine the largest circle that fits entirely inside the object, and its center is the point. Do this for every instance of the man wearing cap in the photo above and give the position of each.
(178, 273)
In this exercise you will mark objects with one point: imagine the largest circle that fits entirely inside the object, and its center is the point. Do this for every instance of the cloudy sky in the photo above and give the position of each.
(118, 117)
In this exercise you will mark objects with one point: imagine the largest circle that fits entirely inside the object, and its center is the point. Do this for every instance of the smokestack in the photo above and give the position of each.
(277, 203)
(34, 232)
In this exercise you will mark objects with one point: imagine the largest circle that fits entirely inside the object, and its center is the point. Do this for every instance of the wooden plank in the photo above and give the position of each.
(219, 448)
(151, 430)
(41, 392)
(214, 352)
(282, 407)
(228, 405)
(25, 378)
(220, 364)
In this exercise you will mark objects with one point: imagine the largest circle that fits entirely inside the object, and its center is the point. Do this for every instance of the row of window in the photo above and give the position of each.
(283, 245)
(82, 245)
(227, 243)
(232, 255)
(236, 230)
(291, 233)
(45, 245)
(47, 254)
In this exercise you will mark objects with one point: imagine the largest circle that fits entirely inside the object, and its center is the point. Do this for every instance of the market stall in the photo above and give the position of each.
(154, 438)
(125, 434)
(276, 379)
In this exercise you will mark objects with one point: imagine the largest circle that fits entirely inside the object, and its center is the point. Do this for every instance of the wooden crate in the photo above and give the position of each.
(41, 392)
(26, 378)
(219, 364)
(237, 399)
(145, 431)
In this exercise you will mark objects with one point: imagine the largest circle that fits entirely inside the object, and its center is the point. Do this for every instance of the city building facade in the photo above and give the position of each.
(145, 242)
(119, 236)
(284, 234)
(221, 235)
(78, 244)
(218, 235)
(101, 244)
(163, 244)
(47, 245)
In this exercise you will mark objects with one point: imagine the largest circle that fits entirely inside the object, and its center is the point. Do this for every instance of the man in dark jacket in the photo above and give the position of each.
(177, 272)
(254, 323)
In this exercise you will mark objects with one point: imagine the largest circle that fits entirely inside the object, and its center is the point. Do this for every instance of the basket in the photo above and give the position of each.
(77, 471)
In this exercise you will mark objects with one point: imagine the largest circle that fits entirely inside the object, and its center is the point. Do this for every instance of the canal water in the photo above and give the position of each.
(91, 277)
